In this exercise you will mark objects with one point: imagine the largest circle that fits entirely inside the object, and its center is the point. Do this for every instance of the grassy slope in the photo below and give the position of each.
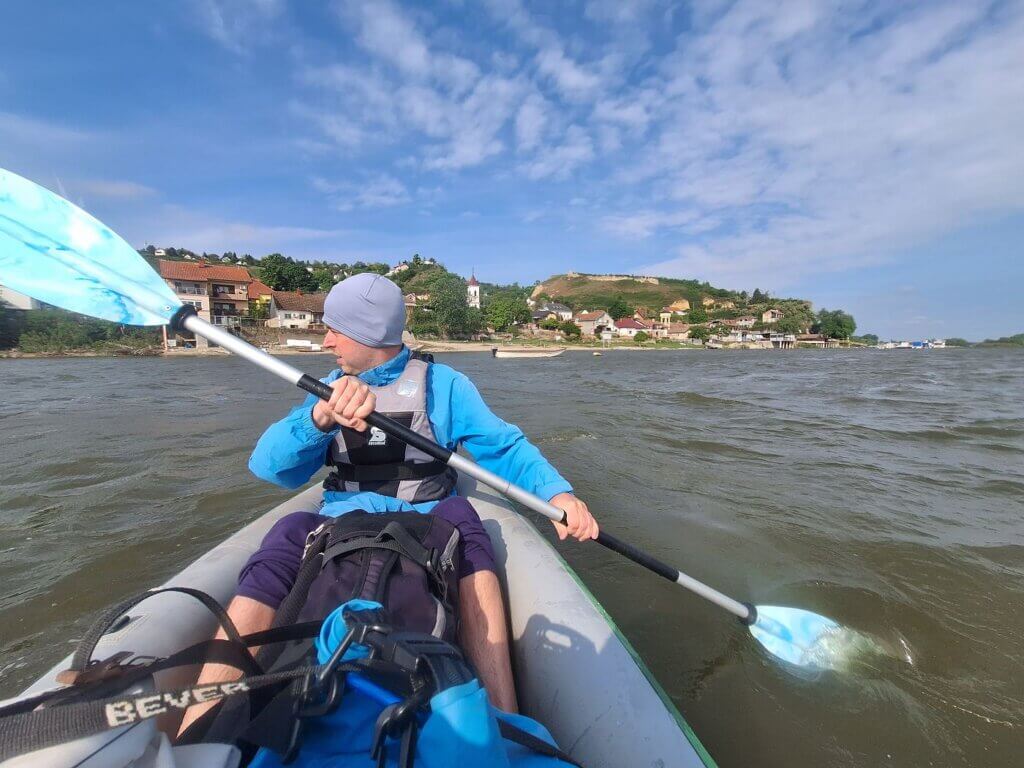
(584, 292)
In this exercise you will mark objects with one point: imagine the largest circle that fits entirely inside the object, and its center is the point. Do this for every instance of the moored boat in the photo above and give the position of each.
(575, 672)
(525, 352)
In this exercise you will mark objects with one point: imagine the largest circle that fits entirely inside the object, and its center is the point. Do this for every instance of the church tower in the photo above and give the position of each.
(473, 291)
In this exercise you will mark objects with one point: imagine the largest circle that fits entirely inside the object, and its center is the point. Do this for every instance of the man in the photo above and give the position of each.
(365, 315)
(372, 471)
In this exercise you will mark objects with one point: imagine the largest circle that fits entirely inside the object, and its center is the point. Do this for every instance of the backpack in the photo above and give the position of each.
(407, 562)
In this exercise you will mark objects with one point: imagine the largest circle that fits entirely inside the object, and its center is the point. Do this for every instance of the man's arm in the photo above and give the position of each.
(292, 450)
(460, 416)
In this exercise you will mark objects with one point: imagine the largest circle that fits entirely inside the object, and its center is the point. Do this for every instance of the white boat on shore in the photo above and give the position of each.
(526, 352)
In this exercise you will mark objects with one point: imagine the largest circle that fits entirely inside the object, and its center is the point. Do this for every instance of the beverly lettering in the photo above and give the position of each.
(132, 710)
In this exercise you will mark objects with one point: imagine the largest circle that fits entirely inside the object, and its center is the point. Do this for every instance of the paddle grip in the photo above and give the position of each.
(638, 556)
(382, 422)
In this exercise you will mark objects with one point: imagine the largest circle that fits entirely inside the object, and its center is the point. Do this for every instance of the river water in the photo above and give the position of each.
(883, 489)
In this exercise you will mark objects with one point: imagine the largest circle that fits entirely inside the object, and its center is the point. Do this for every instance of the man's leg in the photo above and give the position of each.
(483, 636)
(249, 616)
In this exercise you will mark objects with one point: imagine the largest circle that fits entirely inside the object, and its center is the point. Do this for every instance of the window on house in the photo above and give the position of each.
(287, 315)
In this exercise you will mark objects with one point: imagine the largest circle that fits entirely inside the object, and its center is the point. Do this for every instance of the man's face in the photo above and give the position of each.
(353, 357)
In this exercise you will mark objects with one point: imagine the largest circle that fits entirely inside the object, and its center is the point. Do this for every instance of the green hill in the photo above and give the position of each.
(581, 291)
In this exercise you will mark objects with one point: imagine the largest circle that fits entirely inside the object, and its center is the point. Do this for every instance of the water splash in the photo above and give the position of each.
(813, 642)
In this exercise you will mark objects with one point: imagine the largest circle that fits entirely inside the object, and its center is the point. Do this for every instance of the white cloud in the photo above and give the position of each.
(387, 33)
(573, 80)
(821, 149)
(382, 192)
(644, 223)
(18, 129)
(182, 227)
(112, 188)
(531, 120)
(560, 160)
(236, 24)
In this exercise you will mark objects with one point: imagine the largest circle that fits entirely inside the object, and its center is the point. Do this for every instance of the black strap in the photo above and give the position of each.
(58, 725)
(528, 740)
(403, 542)
(380, 473)
(85, 649)
(225, 652)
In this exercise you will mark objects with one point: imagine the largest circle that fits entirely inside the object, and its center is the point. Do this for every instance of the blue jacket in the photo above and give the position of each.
(292, 450)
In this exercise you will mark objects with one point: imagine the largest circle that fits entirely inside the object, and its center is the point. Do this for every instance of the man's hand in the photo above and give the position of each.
(579, 523)
(351, 403)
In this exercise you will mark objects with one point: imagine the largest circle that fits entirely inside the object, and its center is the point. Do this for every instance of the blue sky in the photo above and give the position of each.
(863, 155)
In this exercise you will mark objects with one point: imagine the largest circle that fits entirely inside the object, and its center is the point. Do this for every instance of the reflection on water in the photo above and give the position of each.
(881, 489)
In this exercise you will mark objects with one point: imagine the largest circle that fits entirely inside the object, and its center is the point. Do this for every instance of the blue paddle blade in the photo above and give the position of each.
(57, 253)
(799, 637)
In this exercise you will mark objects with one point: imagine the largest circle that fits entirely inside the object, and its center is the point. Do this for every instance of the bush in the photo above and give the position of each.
(641, 337)
(700, 333)
(698, 315)
(570, 329)
(54, 330)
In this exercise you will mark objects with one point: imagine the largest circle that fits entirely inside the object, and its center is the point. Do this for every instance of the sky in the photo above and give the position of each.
(864, 155)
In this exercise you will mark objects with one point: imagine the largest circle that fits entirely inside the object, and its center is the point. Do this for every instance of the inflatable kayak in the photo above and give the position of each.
(574, 671)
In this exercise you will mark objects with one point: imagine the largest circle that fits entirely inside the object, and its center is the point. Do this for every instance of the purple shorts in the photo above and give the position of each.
(270, 573)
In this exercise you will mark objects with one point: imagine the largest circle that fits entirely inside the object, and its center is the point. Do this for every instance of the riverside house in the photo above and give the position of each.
(259, 293)
(591, 322)
(628, 327)
(679, 331)
(295, 309)
(11, 299)
(771, 316)
(219, 293)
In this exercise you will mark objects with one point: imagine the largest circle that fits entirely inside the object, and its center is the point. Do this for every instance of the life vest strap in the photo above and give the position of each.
(379, 473)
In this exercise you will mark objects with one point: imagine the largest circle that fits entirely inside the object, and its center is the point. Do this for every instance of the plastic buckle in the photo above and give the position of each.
(398, 719)
(320, 693)
(95, 671)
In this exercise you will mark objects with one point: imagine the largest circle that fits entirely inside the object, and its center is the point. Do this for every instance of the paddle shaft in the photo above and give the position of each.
(192, 322)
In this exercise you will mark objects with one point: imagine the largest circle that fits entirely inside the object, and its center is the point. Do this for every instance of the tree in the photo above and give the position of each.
(283, 274)
(619, 309)
(272, 271)
(835, 325)
(550, 324)
(448, 306)
(789, 325)
(570, 329)
(868, 338)
(757, 297)
(324, 278)
(641, 337)
(505, 310)
(700, 333)
(259, 310)
(957, 342)
(698, 314)
(422, 322)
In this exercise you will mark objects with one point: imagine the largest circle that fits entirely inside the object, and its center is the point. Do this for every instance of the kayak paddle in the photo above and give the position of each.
(57, 253)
